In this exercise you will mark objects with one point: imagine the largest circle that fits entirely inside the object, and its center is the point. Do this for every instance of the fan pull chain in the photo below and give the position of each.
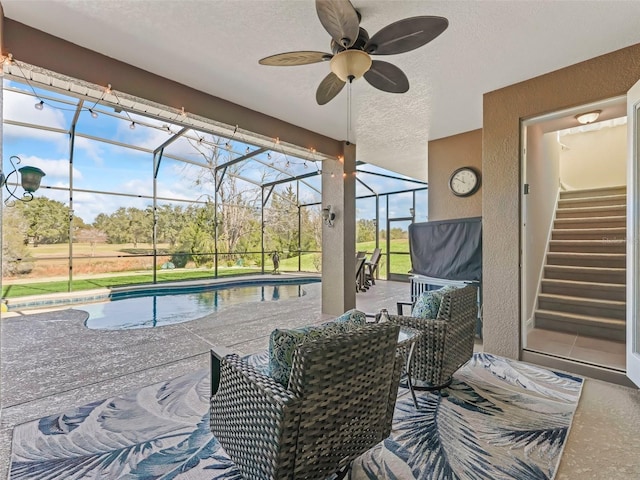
(349, 110)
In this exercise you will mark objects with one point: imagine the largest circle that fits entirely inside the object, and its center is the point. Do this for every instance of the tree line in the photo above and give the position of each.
(187, 232)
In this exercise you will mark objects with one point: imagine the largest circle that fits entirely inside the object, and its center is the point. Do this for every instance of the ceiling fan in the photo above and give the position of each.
(352, 49)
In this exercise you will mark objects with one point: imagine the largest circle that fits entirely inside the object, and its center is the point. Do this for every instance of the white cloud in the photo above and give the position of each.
(88, 205)
(92, 149)
(54, 169)
(20, 108)
(55, 141)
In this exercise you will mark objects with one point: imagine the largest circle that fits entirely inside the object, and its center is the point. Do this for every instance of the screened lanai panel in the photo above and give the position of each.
(366, 223)
(46, 150)
(400, 205)
(422, 206)
(281, 232)
(289, 165)
(35, 240)
(105, 167)
(184, 181)
(384, 181)
(110, 225)
(111, 271)
(55, 112)
(311, 239)
(309, 193)
(192, 146)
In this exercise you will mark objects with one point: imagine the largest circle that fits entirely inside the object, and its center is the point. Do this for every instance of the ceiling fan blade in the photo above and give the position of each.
(387, 77)
(295, 58)
(329, 88)
(340, 19)
(405, 35)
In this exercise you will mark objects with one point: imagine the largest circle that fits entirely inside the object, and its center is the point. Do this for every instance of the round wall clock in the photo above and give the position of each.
(464, 181)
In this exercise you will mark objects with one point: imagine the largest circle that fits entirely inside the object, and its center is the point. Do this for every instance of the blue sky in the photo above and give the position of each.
(105, 167)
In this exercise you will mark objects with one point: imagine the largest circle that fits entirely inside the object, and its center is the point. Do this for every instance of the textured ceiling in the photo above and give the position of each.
(215, 45)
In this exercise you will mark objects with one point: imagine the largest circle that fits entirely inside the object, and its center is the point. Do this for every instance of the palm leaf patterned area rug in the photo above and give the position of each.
(500, 419)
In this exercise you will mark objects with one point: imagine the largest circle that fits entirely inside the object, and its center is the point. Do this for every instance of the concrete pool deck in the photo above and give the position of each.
(51, 362)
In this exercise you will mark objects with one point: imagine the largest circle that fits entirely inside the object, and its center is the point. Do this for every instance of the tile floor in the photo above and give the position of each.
(607, 353)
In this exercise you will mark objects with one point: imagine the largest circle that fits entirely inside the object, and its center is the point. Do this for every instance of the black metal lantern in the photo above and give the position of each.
(30, 178)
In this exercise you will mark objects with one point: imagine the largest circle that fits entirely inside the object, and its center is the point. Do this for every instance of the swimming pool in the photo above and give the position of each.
(168, 306)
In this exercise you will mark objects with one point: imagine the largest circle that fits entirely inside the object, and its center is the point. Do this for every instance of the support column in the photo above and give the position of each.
(339, 239)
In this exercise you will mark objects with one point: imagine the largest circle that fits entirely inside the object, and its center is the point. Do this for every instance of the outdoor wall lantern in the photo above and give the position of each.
(29, 179)
(328, 215)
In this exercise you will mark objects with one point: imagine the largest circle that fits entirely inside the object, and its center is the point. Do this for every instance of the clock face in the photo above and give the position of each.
(464, 182)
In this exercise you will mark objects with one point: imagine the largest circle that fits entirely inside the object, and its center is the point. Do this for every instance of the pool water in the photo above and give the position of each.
(155, 308)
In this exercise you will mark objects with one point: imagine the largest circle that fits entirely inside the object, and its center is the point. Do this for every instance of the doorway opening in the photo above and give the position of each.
(573, 239)
(398, 258)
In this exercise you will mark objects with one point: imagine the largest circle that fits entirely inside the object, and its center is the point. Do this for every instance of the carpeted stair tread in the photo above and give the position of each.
(591, 195)
(607, 200)
(576, 288)
(595, 192)
(580, 259)
(597, 233)
(586, 319)
(597, 274)
(588, 246)
(570, 268)
(591, 302)
(591, 211)
(612, 222)
(613, 309)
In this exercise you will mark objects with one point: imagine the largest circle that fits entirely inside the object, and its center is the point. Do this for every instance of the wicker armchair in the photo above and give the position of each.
(339, 404)
(446, 342)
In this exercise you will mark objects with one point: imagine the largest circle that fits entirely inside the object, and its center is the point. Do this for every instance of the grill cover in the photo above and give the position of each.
(447, 249)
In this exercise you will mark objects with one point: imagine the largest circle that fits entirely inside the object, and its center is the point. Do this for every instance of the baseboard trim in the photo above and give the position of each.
(579, 368)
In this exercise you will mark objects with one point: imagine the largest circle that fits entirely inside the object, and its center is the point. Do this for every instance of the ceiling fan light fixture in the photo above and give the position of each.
(589, 117)
(350, 64)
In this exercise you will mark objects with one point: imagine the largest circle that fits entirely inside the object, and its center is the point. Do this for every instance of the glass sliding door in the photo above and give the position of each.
(633, 231)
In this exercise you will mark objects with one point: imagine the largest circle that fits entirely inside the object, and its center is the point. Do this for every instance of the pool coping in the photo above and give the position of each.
(67, 299)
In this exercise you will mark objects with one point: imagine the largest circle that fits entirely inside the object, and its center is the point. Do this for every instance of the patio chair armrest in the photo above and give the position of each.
(218, 352)
(428, 327)
(253, 416)
(430, 348)
(400, 306)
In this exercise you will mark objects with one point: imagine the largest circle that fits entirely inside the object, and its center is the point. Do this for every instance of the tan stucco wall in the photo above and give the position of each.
(339, 240)
(445, 156)
(602, 77)
(543, 159)
(594, 159)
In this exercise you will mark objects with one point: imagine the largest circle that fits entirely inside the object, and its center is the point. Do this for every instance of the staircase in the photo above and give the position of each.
(583, 287)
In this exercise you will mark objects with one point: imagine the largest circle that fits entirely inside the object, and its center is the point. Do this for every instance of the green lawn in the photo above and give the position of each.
(400, 263)
(42, 288)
